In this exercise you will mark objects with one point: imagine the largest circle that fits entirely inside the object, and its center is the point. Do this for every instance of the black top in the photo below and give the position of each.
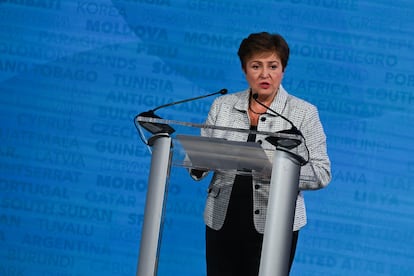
(239, 218)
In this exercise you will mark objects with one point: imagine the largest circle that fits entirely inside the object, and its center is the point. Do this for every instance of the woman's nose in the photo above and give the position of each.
(264, 73)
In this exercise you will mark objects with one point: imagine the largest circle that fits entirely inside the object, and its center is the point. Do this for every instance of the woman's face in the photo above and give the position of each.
(264, 74)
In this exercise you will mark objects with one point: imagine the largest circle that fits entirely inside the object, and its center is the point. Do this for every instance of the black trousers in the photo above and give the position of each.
(228, 257)
(235, 249)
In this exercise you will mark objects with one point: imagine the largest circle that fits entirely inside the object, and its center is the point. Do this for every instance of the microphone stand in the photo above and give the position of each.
(157, 190)
(284, 187)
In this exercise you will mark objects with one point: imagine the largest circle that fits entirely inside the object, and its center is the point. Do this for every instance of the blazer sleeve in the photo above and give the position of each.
(211, 119)
(316, 174)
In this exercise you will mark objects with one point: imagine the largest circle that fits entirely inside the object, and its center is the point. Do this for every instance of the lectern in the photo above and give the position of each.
(280, 163)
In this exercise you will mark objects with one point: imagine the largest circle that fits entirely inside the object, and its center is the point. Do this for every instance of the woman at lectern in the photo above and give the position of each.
(235, 211)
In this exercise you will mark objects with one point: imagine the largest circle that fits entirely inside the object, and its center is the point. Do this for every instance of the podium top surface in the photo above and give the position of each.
(163, 125)
(192, 150)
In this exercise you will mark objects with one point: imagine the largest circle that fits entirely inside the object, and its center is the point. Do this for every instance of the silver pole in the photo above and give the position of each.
(284, 185)
(154, 205)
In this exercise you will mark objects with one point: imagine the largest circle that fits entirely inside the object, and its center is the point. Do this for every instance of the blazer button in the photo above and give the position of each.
(256, 186)
(263, 119)
(257, 212)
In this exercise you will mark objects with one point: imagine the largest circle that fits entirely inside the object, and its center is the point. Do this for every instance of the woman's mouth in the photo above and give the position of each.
(264, 85)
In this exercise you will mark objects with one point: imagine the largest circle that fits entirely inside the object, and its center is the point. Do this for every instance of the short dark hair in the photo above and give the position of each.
(263, 42)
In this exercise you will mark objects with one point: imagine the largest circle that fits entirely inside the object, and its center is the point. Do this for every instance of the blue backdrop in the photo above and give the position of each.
(73, 172)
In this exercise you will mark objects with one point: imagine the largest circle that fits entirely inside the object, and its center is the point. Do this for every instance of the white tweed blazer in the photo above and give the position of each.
(231, 111)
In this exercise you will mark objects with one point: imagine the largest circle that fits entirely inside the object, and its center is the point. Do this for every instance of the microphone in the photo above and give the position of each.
(289, 143)
(164, 128)
(222, 92)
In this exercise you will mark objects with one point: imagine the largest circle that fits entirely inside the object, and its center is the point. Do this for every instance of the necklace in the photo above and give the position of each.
(257, 113)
